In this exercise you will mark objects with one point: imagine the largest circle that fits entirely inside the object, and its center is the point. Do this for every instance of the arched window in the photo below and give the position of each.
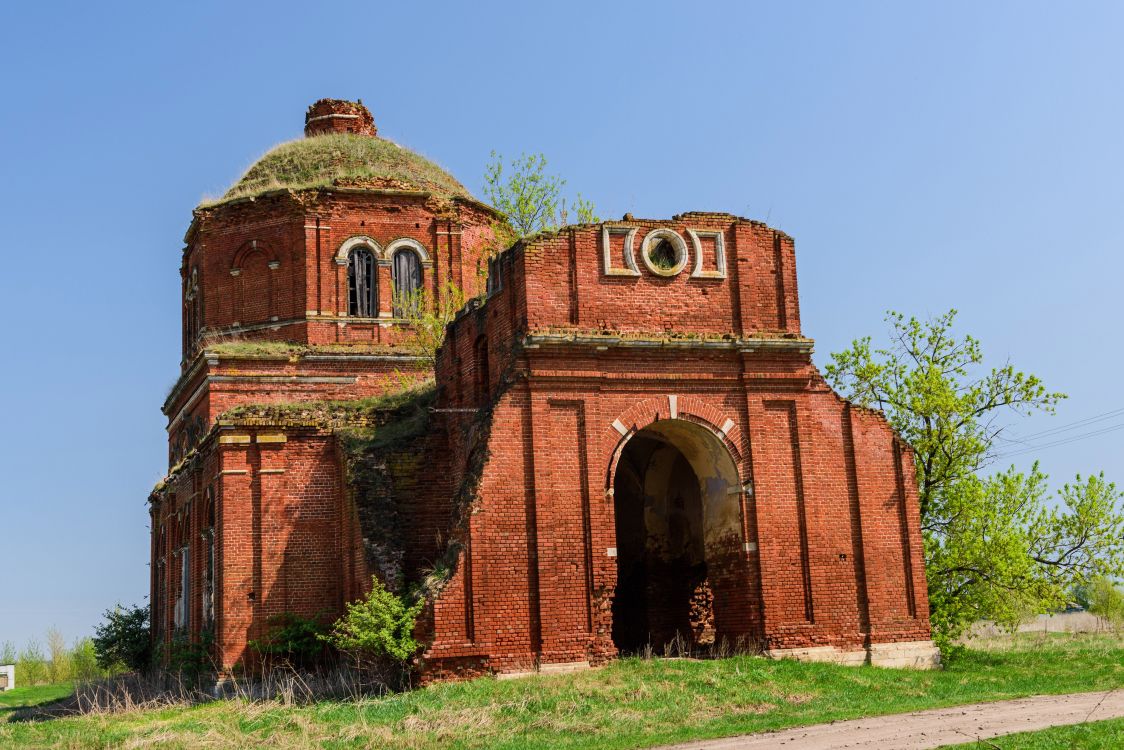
(362, 284)
(193, 308)
(481, 375)
(208, 536)
(406, 273)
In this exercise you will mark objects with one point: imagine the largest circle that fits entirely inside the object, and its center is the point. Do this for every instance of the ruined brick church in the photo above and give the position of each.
(622, 443)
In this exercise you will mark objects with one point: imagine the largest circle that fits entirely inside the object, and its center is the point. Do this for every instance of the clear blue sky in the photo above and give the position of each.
(924, 156)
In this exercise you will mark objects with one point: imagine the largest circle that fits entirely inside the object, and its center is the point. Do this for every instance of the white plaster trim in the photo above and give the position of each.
(905, 655)
(673, 405)
(677, 242)
(563, 667)
(619, 427)
(829, 654)
(340, 116)
(727, 426)
(610, 552)
(719, 254)
(607, 251)
(557, 668)
(358, 240)
(412, 244)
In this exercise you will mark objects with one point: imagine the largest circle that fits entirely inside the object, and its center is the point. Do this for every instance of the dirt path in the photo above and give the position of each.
(928, 729)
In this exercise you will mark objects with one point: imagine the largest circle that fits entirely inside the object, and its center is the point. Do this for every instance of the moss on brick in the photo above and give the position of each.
(381, 416)
(282, 349)
(379, 442)
(378, 461)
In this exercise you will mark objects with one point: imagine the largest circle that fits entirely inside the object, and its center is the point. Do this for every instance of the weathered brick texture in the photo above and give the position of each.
(629, 439)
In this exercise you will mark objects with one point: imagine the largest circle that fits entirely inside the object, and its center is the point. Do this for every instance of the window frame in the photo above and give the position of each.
(355, 303)
(418, 269)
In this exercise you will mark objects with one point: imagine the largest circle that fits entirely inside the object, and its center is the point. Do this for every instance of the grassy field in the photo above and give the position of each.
(20, 697)
(628, 704)
(1097, 735)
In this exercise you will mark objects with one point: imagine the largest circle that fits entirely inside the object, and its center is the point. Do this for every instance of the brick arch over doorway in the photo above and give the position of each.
(676, 406)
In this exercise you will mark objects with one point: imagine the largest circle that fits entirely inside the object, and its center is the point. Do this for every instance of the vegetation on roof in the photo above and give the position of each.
(373, 412)
(344, 159)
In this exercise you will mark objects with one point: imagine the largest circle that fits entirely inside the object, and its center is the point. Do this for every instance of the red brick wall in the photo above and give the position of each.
(338, 116)
(516, 474)
(831, 519)
(282, 539)
(267, 268)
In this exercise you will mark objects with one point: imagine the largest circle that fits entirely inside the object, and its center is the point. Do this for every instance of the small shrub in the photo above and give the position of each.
(292, 638)
(123, 640)
(378, 627)
(191, 659)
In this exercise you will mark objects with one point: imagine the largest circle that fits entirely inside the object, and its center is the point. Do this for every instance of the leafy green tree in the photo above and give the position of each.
(31, 665)
(994, 548)
(84, 661)
(1106, 601)
(58, 665)
(378, 626)
(530, 197)
(123, 639)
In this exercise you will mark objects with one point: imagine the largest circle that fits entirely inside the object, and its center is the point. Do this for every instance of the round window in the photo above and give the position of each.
(664, 252)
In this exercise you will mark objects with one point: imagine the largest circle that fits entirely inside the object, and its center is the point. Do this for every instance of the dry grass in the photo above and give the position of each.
(630, 703)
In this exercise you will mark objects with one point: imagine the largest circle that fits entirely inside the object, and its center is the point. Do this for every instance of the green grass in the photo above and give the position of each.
(627, 704)
(1096, 735)
(343, 158)
(32, 696)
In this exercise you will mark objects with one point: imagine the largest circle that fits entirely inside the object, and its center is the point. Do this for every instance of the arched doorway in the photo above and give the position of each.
(679, 531)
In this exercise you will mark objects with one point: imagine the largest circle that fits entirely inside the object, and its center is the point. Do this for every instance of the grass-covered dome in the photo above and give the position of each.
(344, 159)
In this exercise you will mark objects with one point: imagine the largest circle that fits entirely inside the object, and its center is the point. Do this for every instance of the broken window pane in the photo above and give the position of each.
(406, 273)
(362, 284)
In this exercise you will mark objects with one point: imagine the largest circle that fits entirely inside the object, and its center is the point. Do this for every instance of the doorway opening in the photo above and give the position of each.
(679, 538)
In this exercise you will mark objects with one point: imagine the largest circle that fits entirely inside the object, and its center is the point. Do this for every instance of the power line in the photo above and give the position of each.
(1063, 441)
(1069, 426)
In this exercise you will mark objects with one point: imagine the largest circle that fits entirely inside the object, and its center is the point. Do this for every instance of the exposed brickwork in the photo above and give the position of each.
(828, 549)
(339, 116)
(779, 513)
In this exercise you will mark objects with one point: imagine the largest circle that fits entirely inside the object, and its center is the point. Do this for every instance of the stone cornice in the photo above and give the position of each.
(203, 209)
(212, 358)
(754, 345)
